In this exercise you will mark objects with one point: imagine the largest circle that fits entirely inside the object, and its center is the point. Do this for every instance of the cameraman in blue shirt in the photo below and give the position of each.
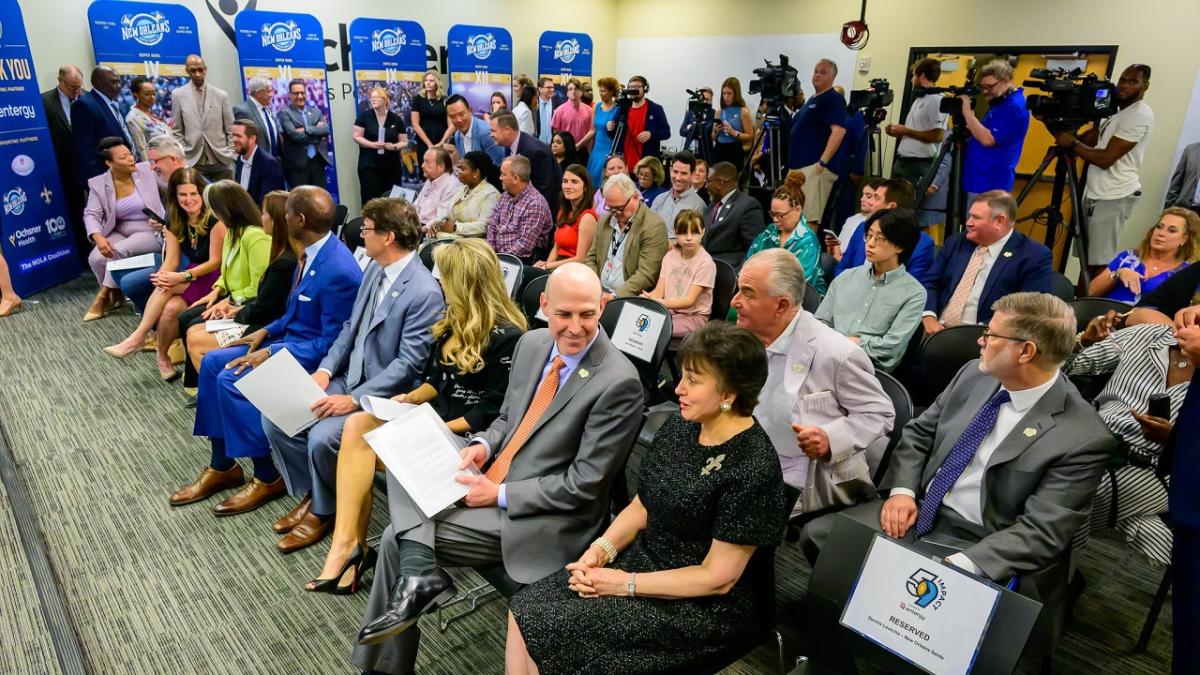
(996, 140)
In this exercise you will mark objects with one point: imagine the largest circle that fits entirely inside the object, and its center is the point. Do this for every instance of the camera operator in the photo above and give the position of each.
(646, 124)
(996, 140)
(701, 144)
(816, 132)
(1115, 148)
(922, 129)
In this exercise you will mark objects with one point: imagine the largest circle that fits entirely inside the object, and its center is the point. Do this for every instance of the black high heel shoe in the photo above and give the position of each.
(362, 562)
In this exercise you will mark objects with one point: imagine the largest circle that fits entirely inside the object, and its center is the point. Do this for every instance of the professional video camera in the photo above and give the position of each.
(775, 82)
(949, 104)
(873, 101)
(625, 97)
(1074, 98)
(697, 105)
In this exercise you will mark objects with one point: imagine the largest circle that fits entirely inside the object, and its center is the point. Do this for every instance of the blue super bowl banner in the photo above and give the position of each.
(284, 46)
(479, 59)
(147, 39)
(562, 56)
(34, 232)
(388, 54)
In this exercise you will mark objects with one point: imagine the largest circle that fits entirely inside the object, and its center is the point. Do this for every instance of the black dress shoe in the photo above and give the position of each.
(412, 597)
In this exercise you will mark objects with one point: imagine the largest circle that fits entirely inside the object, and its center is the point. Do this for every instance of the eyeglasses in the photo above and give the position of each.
(618, 209)
(878, 238)
(779, 215)
(366, 229)
(988, 335)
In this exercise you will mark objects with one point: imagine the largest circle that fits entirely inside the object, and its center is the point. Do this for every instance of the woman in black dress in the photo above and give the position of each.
(378, 153)
(429, 115)
(662, 589)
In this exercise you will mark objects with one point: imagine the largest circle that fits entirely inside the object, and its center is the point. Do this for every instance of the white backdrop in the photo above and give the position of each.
(674, 65)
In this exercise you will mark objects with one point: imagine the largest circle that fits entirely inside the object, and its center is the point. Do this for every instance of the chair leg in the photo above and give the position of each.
(1160, 597)
(781, 667)
(480, 595)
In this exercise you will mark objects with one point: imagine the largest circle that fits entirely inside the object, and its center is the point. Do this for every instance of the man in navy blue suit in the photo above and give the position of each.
(254, 168)
(978, 267)
(97, 115)
(326, 284)
(1182, 458)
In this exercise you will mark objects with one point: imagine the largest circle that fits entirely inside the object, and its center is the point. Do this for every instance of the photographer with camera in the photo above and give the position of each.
(923, 127)
(645, 122)
(816, 132)
(996, 140)
(1114, 148)
(697, 127)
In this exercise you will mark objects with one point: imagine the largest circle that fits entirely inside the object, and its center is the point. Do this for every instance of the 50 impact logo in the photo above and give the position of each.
(927, 587)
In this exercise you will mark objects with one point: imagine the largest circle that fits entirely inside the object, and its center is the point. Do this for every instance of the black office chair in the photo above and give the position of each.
(531, 300)
(903, 405)
(340, 213)
(828, 266)
(946, 352)
(351, 233)
(648, 371)
(426, 252)
(514, 267)
(812, 298)
(1089, 308)
(1062, 287)
(724, 288)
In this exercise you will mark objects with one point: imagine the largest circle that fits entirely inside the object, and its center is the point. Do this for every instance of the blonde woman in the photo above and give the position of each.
(429, 115)
(464, 380)
(380, 136)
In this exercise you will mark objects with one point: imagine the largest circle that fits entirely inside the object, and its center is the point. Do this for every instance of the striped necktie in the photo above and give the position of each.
(537, 407)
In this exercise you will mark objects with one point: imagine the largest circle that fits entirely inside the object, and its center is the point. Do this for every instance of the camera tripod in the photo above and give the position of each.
(618, 134)
(954, 145)
(768, 134)
(1066, 183)
(698, 139)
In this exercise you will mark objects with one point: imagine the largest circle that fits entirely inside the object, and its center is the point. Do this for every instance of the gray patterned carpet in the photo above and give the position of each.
(99, 446)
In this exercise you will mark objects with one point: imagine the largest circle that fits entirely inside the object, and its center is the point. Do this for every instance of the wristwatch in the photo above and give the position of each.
(631, 587)
(188, 276)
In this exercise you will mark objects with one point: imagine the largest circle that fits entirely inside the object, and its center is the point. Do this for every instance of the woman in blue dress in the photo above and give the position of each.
(604, 112)
(1167, 248)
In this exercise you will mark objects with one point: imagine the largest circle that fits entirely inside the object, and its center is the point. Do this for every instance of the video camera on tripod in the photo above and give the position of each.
(700, 108)
(775, 83)
(873, 101)
(625, 97)
(950, 103)
(1073, 99)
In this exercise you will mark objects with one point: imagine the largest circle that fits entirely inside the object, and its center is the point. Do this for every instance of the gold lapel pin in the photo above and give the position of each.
(1008, 254)
(1030, 432)
(583, 373)
(797, 367)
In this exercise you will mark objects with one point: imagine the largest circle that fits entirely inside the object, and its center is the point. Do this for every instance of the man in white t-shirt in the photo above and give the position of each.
(1114, 148)
(921, 133)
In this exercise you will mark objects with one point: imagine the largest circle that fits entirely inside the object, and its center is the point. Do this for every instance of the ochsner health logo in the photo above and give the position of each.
(146, 28)
(388, 41)
(14, 202)
(566, 50)
(481, 46)
(282, 35)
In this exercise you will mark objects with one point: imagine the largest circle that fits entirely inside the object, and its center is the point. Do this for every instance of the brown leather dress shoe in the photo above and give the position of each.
(291, 518)
(208, 484)
(253, 495)
(307, 532)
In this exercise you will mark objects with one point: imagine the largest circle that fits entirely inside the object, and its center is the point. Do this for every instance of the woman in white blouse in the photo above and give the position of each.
(524, 110)
(471, 206)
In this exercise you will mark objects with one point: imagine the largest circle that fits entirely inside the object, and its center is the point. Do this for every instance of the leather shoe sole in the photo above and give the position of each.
(208, 484)
(307, 532)
(255, 494)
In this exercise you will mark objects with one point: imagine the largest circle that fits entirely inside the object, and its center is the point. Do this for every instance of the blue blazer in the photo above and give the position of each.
(397, 341)
(265, 174)
(1023, 265)
(318, 306)
(657, 125)
(481, 140)
(91, 120)
(918, 265)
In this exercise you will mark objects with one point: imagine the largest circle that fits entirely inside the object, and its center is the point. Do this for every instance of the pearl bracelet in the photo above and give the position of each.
(610, 551)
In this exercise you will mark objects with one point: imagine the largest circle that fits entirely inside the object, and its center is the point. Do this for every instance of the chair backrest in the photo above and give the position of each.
(1062, 287)
(426, 253)
(351, 233)
(531, 301)
(828, 267)
(946, 352)
(628, 323)
(812, 298)
(340, 213)
(513, 269)
(724, 288)
(1087, 309)
(879, 454)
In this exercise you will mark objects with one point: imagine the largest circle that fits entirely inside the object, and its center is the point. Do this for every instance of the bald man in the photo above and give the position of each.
(546, 464)
(204, 122)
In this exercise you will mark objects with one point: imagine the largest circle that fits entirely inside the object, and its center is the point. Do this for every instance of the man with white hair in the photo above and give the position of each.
(521, 222)
(630, 241)
(822, 405)
(165, 155)
(257, 109)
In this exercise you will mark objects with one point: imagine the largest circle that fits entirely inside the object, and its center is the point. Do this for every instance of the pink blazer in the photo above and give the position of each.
(100, 214)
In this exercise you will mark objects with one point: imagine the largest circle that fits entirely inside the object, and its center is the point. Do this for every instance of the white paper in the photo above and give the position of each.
(925, 611)
(423, 455)
(404, 193)
(637, 331)
(135, 262)
(283, 392)
(218, 325)
(509, 271)
(361, 257)
(384, 408)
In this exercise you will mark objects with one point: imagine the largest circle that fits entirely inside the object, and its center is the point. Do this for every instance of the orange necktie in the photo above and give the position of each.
(952, 316)
(541, 400)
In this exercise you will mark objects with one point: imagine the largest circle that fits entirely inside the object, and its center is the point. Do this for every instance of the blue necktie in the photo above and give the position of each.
(266, 115)
(116, 111)
(956, 462)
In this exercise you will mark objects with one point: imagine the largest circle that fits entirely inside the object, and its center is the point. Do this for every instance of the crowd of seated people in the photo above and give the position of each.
(791, 399)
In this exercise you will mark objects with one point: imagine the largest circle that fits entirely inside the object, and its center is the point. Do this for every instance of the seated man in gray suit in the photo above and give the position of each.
(549, 460)
(305, 139)
(822, 405)
(999, 473)
(381, 349)
(733, 220)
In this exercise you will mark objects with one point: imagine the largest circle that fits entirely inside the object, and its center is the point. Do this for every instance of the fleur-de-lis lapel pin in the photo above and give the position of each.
(1030, 432)
(797, 367)
(1008, 254)
(714, 464)
(583, 373)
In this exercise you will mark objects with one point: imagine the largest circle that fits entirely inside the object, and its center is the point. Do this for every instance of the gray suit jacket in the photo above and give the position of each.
(1038, 487)
(248, 110)
(213, 124)
(729, 231)
(558, 485)
(397, 343)
(1183, 182)
(289, 119)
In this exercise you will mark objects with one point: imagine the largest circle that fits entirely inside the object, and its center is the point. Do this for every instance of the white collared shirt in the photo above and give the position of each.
(390, 274)
(311, 251)
(971, 308)
(244, 179)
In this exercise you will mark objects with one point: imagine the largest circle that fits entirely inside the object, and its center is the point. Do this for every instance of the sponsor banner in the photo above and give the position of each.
(388, 53)
(34, 231)
(283, 46)
(147, 39)
(479, 59)
(562, 56)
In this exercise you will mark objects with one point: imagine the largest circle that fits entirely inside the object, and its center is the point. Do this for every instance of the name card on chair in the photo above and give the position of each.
(637, 331)
(925, 611)
(510, 272)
